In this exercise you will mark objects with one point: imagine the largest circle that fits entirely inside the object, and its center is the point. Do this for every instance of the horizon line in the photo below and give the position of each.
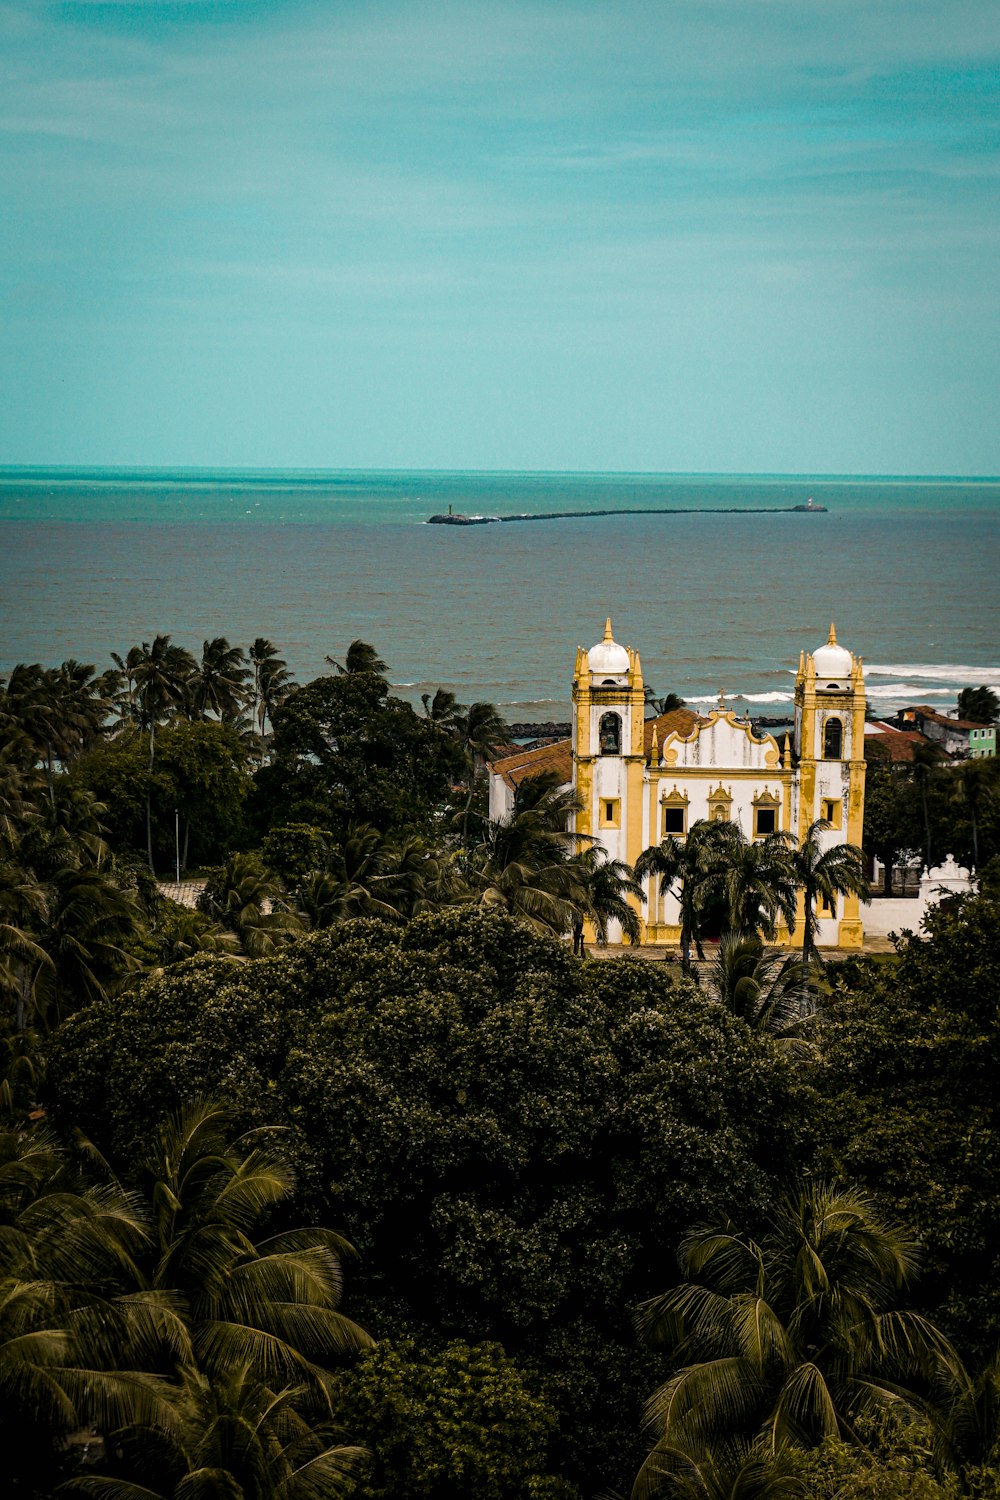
(815, 476)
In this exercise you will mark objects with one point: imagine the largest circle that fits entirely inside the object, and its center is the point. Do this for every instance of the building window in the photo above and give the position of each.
(827, 908)
(610, 734)
(833, 739)
(611, 812)
(674, 819)
(830, 811)
(765, 819)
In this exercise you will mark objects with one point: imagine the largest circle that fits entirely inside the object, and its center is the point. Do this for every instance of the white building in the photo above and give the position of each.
(639, 780)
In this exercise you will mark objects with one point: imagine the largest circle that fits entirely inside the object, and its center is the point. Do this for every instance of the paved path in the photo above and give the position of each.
(185, 892)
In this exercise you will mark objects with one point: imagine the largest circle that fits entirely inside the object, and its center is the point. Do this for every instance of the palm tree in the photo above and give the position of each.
(354, 886)
(24, 906)
(67, 1327)
(247, 899)
(479, 731)
(974, 784)
(979, 704)
(757, 882)
(238, 1439)
(969, 1425)
(161, 672)
(74, 831)
(416, 877)
(125, 700)
(443, 709)
(793, 1338)
(84, 700)
(728, 1469)
(523, 865)
(667, 704)
(824, 874)
(87, 930)
(272, 682)
(766, 990)
(31, 700)
(267, 1304)
(185, 933)
(361, 657)
(218, 684)
(19, 788)
(603, 886)
(690, 868)
(926, 759)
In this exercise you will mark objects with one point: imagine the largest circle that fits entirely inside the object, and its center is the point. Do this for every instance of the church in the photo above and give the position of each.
(639, 780)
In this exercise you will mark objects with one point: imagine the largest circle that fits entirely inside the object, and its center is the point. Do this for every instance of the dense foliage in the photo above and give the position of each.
(381, 1024)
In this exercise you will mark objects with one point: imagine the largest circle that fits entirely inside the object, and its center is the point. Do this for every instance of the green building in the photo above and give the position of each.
(982, 741)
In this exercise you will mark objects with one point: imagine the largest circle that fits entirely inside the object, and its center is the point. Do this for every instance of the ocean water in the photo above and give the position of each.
(94, 561)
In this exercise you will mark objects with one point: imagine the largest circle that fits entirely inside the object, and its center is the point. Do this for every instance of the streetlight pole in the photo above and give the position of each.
(177, 844)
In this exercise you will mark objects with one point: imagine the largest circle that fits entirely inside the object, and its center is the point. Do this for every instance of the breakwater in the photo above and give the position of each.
(452, 519)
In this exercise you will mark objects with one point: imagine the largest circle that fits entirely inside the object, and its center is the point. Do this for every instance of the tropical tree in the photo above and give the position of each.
(823, 875)
(690, 868)
(125, 671)
(161, 672)
(83, 701)
(791, 1339)
(665, 704)
(250, 1320)
(601, 896)
(975, 787)
(217, 685)
(68, 1322)
(891, 818)
(263, 1303)
(443, 709)
(31, 703)
(236, 1438)
(731, 1468)
(246, 898)
(184, 933)
(87, 931)
(479, 731)
(19, 788)
(979, 705)
(756, 880)
(350, 885)
(523, 863)
(272, 682)
(345, 750)
(766, 990)
(24, 906)
(926, 760)
(361, 657)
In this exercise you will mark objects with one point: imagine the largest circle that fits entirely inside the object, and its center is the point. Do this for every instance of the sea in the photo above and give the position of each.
(716, 596)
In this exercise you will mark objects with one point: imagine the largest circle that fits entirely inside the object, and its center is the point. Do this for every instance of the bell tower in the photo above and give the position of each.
(830, 751)
(608, 759)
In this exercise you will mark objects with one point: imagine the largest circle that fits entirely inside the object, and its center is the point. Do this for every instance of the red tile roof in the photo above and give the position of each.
(945, 719)
(897, 745)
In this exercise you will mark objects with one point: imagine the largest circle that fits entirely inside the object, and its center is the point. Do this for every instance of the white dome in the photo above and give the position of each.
(832, 662)
(607, 658)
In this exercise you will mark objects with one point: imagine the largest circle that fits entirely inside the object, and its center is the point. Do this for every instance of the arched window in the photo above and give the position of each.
(833, 739)
(610, 734)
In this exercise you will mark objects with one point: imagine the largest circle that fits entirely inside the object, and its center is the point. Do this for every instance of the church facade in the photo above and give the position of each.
(640, 780)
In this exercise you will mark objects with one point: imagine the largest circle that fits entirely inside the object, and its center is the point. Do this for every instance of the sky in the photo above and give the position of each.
(679, 236)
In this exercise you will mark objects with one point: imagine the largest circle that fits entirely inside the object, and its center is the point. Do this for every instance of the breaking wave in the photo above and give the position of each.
(972, 676)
